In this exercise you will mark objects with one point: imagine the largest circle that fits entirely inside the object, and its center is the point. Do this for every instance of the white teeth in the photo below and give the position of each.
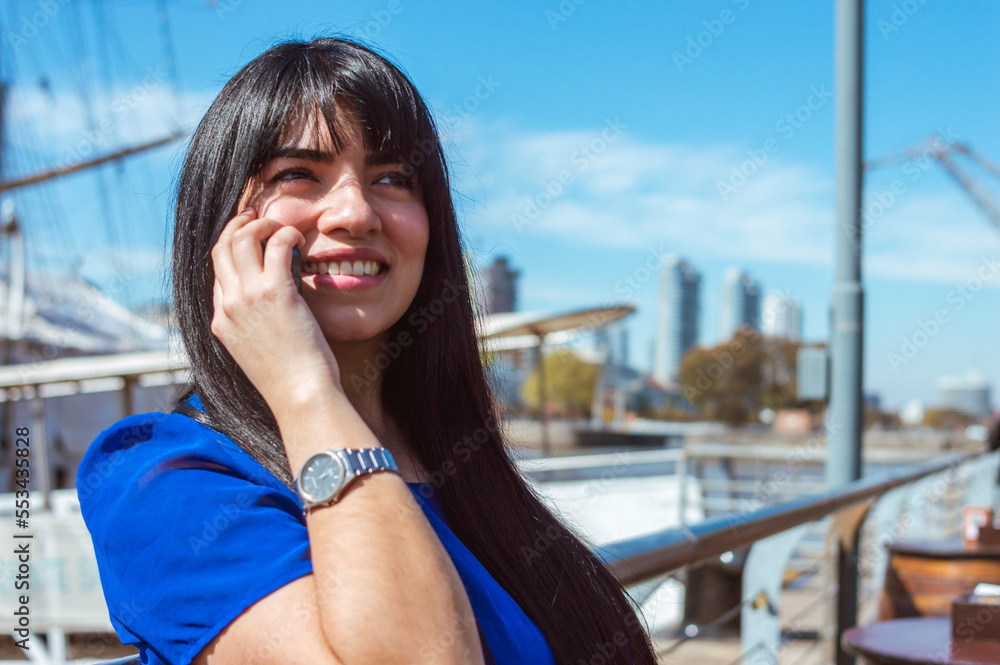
(355, 268)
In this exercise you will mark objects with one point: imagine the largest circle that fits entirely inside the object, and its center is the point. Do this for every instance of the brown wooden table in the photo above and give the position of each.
(923, 577)
(917, 641)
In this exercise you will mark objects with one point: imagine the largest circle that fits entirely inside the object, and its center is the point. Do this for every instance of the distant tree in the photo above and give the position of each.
(947, 419)
(673, 413)
(733, 381)
(723, 382)
(878, 419)
(569, 385)
(778, 373)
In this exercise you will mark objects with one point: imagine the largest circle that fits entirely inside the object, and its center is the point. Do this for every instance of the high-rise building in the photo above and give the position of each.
(740, 303)
(781, 316)
(677, 317)
(499, 286)
(612, 341)
(969, 394)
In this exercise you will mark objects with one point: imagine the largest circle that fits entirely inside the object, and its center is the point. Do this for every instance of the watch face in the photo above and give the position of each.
(322, 476)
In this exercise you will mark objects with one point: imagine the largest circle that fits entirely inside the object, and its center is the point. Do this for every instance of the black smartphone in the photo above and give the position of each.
(296, 266)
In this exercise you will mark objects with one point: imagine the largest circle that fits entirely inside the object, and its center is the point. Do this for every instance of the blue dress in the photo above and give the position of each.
(189, 530)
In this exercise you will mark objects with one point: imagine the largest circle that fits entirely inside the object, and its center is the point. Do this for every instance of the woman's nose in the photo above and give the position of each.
(348, 208)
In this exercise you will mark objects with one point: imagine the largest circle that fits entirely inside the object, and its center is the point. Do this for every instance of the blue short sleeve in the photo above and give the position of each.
(188, 529)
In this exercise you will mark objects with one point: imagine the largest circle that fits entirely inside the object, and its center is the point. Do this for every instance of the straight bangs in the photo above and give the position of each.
(347, 91)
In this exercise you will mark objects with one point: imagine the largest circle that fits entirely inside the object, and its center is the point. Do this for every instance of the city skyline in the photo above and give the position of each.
(678, 313)
(739, 303)
(781, 316)
(584, 191)
(773, 312)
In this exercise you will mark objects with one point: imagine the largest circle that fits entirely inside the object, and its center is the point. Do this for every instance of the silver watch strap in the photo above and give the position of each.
(368, 460)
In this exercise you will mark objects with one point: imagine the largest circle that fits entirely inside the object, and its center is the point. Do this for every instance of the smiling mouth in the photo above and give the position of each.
(355, 268)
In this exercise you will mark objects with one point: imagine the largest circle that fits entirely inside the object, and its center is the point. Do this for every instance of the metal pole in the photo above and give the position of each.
(540, 364)
(14, 325)
(128, 400)
(597, 402)
(682, 482)
(843, 461)
(39, 449)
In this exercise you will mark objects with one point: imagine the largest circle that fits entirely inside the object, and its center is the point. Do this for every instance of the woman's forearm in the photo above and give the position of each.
(387, 589)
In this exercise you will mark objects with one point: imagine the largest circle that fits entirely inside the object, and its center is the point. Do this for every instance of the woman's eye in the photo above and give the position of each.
(397, 179)
(291, 174)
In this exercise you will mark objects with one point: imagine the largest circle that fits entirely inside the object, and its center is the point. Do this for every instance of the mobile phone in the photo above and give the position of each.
(297, 268)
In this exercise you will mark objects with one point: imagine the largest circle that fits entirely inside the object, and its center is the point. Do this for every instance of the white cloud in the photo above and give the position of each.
(631, 194)
(62, 125)
(933, 237)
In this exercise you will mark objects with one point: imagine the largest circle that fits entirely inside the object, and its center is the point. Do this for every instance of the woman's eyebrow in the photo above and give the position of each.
(327, 157)
(307, 154)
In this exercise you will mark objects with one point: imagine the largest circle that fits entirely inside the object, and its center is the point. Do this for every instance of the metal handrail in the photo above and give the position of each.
(125, 660)
(643, 558)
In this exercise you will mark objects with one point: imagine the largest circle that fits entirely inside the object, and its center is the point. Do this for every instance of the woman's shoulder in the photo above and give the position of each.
(136, 445)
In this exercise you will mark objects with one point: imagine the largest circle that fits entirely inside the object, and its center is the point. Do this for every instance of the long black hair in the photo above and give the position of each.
(433, 381)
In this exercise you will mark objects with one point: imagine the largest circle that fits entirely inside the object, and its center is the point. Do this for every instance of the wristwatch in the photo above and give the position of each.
(323, 477)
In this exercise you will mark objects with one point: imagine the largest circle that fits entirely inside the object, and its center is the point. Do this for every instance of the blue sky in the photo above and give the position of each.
(642, 108)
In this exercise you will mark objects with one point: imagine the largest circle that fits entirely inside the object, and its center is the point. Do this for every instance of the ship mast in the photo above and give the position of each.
(10, 231)
(13, 328)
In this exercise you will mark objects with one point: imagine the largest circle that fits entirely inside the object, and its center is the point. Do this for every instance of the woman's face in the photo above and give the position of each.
(365, 226)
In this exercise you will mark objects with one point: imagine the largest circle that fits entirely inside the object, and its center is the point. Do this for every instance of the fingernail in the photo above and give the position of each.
(246, 211)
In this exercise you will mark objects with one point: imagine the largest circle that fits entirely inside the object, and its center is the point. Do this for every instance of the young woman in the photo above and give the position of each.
(233, 530)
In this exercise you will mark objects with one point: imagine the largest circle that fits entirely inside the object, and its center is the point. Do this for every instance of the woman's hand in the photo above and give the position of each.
(262, 320)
